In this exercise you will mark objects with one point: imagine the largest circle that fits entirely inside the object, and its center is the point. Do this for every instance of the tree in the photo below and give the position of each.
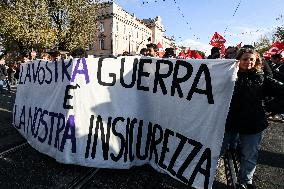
(74, 22)
(263, 44)
(41, 24)
(25, 25)
(279, 33)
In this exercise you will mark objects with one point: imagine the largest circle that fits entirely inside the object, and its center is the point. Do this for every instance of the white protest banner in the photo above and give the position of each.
(126, 111)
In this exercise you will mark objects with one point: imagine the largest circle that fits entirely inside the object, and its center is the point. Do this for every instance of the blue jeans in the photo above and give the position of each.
(249, 146)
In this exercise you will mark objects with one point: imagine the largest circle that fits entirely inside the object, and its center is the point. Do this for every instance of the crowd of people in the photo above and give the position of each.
(152, 51)
(258, 95)
(9, 75)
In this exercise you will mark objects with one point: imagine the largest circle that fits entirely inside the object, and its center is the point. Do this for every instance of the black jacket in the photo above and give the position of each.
(246, 114)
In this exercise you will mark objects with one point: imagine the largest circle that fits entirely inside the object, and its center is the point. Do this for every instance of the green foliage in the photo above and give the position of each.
(279, 33)
(74, 22)
(25, 25)
(41, 24)
(263, 44)
(201, 53)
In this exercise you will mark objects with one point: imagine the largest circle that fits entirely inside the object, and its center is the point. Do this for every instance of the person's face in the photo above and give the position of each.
(26, 59)
(144, 53)
(151, 52)
(216, 55)
(247, 61)
(45, 58)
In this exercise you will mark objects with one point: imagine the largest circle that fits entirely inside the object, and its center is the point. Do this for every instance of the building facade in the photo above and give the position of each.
(119, 32)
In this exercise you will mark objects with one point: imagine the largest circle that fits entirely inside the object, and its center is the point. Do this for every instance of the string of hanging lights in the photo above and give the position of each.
(226, 33)
(181, 14)
(186, 21)
(234, 13)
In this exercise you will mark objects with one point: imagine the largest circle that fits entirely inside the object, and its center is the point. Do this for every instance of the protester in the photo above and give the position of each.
(17, 73)
(215, 53)
(79, 53)
(11, 74)
(152, 50)
(143, 52)
(45, 56)
(231, 52)
(54, 55)
(248, 47)
(26, 58)
(246, 116)
(273, 102)
(125, 53)
(4, 79)
(169, 53)
(275, 61)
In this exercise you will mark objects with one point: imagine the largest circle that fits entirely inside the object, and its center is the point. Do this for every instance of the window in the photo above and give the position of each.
(101, 27)
(124, 29)
(102, 43)
(117, 26)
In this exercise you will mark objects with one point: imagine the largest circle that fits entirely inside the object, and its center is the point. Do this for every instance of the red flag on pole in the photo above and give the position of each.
(217, 40)
(181, 55)
(159, 46)
(188, 54)
(196, 55)
(223, 51)
(276, 48)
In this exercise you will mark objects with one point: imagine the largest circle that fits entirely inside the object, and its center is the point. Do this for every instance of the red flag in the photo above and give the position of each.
(217, 40)
(276, 48)
(278, 44)
(188, 54)
(223, 51)
(159, 46)
(266, 54)
(181, 55)
(196, 55)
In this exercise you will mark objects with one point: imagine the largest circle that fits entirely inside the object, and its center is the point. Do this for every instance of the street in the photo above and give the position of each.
(24, 167)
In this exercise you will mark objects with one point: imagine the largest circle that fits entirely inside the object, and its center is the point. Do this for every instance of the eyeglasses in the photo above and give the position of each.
(250, 59)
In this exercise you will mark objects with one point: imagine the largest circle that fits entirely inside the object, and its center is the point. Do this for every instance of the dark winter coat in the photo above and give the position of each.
(246, 114)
